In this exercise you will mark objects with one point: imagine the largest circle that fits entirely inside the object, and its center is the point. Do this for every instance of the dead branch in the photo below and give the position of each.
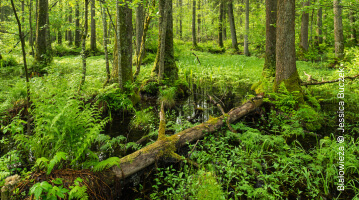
(197, 58)
(223, 113)
(332, 81)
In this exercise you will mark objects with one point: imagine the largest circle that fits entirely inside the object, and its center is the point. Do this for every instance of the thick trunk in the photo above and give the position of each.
(166, 146)
(353, 34)
(232, 25)
(246, 51)
(139, 26)
(319, 37)
(338, 30)
(42, 55)
(304, 28)
(194, 39)
(270, 56)
(69, 32)
(163, 28)
(77, 24)
(31, 40)
(220, 24)
(286, 70)
(170, 68)
(93, 26)
(83, 46)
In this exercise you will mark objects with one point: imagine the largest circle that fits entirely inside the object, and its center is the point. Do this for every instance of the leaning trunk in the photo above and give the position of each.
(77, 24)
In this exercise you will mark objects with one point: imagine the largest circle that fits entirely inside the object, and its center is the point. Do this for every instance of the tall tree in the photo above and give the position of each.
(246, 51)
(304, 27)
(170, 70)
(199, 21)
(77, 24)
(43, 53)
(180, 20)
(269, 68)
(69, 32)
(224, 24)
(104, 23)
(139, 26)
(83, 45)
(319, 37)
(194, 39)
(59, 32)
(232, 25)
(31, 40)
(338, 29)
(286, 70)
(353, 33)
(220, 24)
(93, 26)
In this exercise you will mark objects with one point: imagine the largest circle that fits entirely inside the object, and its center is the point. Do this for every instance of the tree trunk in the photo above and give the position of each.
(139, 26)
(43, 54)
(352, 25)
(48, 34)
(270, 56)
(69, 32)
(31, 40)
(338, 30)
(319, 38)
(194, 39)
(224, 24)
(83, 46)
(246, 51)
(104, 23)
(180, 20)
(59, 32)
(286, 70)
(170, 68)
(77, 24)
(220, 24)
(232, 25)
(93, 26)
(163, 27)
(166, 146)
(304, 28)
(22, 11)
(199, 21)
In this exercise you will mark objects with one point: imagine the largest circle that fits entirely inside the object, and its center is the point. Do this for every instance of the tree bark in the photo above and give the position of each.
(304, 28)
(163, 27)
(199, 21)
(270, 56)
(139, 26)
(31, 40)
(104, 23)
(338, 30)
(77, 24)
(353, 33)
(286, 70)
(170, 68)
(43, 54)
(232, 25)
(194, 39)
(224, 24)
(246, 51)
(83, 46)
(59, 32)
(180, 20)
(69, 32)
(319, 37)
(220, 24)
(166, 146)
(93, 26)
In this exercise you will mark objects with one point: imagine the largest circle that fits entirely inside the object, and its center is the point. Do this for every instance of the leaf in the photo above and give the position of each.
(57, 158)
(106, 164)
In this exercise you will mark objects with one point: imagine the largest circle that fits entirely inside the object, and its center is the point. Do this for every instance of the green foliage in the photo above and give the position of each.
(143, 118)
(8, 61)
(105, 164)
(50, 164)
(115, 98)
(167, 96)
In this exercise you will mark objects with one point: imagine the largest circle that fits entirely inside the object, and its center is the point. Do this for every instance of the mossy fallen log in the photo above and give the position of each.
(166, 146)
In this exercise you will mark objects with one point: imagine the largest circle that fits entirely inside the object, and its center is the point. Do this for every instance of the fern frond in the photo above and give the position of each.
(56, 159)
(78, 192)
(105, 164)
(42, 163)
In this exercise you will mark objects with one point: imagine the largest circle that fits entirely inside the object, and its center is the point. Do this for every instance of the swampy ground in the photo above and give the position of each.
(280, 151)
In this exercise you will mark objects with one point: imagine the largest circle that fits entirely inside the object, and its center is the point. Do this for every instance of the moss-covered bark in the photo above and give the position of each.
(170, 68)
(43, 53)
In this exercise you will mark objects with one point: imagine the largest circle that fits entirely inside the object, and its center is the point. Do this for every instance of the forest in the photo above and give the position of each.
(179, 99)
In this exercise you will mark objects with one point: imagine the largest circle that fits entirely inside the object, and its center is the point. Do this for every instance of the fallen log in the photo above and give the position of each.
(166, 146)
(332, 81)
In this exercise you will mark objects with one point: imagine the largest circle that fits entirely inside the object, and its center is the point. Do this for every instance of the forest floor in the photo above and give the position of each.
(284, 153)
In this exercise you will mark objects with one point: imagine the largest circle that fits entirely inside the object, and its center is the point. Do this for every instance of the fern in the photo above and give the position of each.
(56, 159)
(77, 191)
(105, 164)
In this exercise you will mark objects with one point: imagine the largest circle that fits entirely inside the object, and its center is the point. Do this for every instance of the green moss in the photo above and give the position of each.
(293, 85)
